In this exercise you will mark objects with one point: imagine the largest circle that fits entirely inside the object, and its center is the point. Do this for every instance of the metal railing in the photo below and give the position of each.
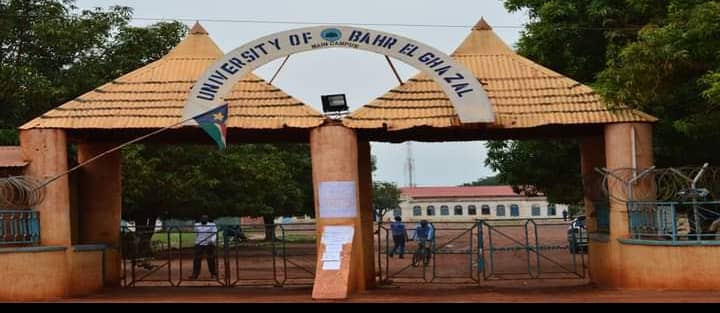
(674, 221)
(243, 255)
(602, 213)
(19, 227)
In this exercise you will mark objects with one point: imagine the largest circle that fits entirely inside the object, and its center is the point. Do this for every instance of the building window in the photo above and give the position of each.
(397, 212)
(458, 210)
(485, 209)
(417, 210)
(472, 210)
(514, 210)
(535, 210)
(551, 210)
(444, 210)
(500, 210)
(430, 210)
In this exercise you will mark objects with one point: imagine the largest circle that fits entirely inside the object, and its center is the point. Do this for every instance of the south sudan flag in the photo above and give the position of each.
(213, 122)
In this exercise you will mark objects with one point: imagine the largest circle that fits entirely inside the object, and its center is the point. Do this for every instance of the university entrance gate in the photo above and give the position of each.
(486, 250)
(257, 255)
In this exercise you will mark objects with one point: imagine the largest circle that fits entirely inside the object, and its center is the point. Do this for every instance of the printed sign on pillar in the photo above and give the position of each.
(332, 280)
(337, 199)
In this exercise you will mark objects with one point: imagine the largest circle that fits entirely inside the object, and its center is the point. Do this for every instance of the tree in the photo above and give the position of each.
(487, 181)
(534, 166)
(673, 72)
(260, 180)
(653, 55)
(51, 53)
(386, 197)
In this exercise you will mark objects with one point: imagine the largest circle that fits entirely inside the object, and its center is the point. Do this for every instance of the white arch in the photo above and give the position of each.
(459, 84)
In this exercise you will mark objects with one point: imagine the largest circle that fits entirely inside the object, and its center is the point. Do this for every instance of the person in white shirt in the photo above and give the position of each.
(205, 239)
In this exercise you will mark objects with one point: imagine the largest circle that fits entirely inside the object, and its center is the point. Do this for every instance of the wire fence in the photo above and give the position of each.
(21, 192)
(656, 184)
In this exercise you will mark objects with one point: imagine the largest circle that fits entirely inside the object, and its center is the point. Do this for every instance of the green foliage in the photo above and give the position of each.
(551, 167)
(487, 181)
(9, 137)
(659, 56)
(50, 52)
(244, 180)
(386, 196)
(576, 38)
(671, 71)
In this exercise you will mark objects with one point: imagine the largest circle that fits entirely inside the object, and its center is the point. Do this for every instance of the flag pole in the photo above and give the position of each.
(93, 159)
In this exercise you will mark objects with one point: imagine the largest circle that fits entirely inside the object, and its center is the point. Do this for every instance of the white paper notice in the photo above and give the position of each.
(337, 199)
(334, 237)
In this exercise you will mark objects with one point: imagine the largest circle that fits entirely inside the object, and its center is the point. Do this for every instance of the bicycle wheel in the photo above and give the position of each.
(426, 257)
(417, 258)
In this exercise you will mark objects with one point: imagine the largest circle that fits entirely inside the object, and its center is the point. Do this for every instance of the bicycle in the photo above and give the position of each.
(422, 254)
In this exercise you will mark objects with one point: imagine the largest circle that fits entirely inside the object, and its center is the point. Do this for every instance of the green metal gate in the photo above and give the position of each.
(455, 253)
(486, 250)
(164, 256)
(531, 249)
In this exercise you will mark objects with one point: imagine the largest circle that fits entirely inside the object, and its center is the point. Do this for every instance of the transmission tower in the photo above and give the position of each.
(410, 165)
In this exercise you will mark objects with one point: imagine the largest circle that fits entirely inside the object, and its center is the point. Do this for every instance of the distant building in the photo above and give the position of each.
(12, 162)
(471, 203)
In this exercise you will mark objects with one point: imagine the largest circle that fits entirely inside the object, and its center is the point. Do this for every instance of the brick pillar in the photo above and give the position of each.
(619, 154)
(46, 150)
(338, 159)
(100, 204)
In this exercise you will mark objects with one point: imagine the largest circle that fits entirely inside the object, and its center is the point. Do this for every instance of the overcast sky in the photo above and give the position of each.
(362, 76)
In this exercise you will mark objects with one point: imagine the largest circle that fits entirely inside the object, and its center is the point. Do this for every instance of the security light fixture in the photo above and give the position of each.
(334, 103)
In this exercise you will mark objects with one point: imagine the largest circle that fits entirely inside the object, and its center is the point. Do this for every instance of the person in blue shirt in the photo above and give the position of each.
(399, 235)
(423, 232)
(424, 235)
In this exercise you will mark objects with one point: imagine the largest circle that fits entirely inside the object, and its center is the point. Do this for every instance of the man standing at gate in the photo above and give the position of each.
(565, 214)
(205, 238)
(399, 236)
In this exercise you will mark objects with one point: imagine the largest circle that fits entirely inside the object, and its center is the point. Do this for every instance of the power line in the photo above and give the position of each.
(212, 20)
(250, 21)
(254, 21)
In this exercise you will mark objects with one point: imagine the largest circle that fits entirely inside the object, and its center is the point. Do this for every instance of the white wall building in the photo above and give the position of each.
(465, 204)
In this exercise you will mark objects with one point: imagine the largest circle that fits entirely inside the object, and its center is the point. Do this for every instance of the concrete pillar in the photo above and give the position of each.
(592, 155)
(46, 149)
(338, 157)
(100, 204)
(619, 154)
(366, 217)
(622, 151)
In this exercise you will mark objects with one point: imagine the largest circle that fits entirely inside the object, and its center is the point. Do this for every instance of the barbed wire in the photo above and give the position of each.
(655, 184)
(21, 192)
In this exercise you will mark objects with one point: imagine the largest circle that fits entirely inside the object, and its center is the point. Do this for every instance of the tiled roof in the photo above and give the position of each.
(154, 96)
(523, 94)
(456, 192)
(11, 156)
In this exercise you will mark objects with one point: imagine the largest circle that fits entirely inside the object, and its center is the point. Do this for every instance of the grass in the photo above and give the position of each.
(188, 239)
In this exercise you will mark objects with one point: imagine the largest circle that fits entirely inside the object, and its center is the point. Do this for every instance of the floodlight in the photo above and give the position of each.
(334, 103)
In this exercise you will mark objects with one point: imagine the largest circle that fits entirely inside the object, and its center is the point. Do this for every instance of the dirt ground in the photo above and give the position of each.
(459, 259)
(461, 271)
(402, 294)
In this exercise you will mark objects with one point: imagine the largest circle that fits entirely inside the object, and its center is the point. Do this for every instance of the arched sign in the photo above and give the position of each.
(459, 84)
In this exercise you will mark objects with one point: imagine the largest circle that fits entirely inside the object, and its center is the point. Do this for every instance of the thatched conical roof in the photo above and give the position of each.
(523, 94)
(154, 96)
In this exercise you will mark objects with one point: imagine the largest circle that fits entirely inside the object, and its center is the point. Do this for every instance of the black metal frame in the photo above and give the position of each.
(534, 269)
(284, 258)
